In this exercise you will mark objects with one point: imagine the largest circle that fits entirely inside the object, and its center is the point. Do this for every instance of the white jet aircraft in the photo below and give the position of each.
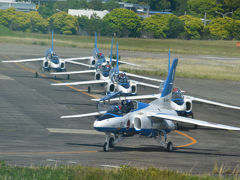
(51, 62)
(154, 120)
(116, 81)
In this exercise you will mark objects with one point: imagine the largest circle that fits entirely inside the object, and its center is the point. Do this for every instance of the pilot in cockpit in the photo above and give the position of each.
(122, 78)
(100, 55)
(177, 94)
(127, 106)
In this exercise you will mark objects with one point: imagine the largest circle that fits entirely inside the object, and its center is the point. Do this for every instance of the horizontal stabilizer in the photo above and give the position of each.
(143, 77)
(84, 115)
(74, 72)
(79, 83)
(25, 60)
(194, 121)
(213, 103)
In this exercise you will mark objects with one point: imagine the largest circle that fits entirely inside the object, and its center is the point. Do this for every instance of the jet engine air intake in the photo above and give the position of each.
(93, 62)
(111, 88)
(62, 65)
(134, 88)
(188, 106)
(45, 64)
(137, 123)
(97, 76)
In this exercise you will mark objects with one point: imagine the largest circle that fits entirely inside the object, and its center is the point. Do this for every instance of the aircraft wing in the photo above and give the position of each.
(143, 77)
(146, 84)
(194, 121)
(75, 59)
(75, 72)
(25, 60)
(79, 83)
(140, 97)
(81, 64)
(84, 115)
(213, 102)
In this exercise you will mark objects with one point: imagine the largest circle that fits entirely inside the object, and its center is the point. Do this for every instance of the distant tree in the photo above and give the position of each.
(124, 22)
(47, 10)
(7, 16)
(63, 23)
(37, 22)
(110, 5)
(235, 30)
(221, 28)
(236, 14)
(162, 26)
(95, 4)
(179, 7)
(200, 7)
(21, 22)
(94, 24)
(193, 27)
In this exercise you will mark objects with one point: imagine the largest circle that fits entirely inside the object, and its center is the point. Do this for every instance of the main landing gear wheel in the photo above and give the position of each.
(55, 77)
(68, 77)
(111, 142)
(36, 74)
(89, 89)
(170, 146)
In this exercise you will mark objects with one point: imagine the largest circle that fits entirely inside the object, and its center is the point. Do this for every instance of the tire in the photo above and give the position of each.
(36, 74)
(111, 142)
(55, 77)
(105, 149)
(68, 77)
(195, 126)
(169, 146)
(89, 89)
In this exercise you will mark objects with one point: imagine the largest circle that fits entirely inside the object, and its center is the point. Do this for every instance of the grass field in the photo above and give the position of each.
(91, 173)
(190, 68)
(204, 47)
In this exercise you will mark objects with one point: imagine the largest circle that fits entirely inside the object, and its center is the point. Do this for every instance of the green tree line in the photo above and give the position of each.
(124, 23)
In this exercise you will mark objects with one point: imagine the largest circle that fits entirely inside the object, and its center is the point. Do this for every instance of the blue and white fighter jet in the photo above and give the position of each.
(154, 120)
(115, 80)
(51, 61)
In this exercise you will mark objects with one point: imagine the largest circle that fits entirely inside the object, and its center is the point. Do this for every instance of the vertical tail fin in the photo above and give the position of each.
(169, 59)
(95, 43)
(111, 51)
(52, 41)
(117, 68)
(168, 85)
(166, 94)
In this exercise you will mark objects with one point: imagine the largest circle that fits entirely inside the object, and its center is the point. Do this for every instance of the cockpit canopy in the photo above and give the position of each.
(100, 56)
(177, 96)
(122, 78)
(55, 59)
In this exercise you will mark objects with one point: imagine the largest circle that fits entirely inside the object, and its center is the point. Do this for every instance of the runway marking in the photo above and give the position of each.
(46, 153)
(43, 75)
(74, 131)
(194, 141)
(3, 77)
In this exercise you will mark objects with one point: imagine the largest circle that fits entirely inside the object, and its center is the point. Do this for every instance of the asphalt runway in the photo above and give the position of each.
(30, 109)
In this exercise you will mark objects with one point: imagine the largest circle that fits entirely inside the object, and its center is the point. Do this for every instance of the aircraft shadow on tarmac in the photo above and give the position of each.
(155, 148)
